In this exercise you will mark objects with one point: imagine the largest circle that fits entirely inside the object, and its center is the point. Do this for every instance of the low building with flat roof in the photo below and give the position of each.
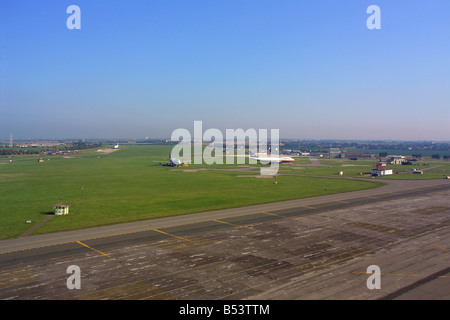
(334, 153)
(381, 170)
(61, 209)
(397, 159)
(357, 155)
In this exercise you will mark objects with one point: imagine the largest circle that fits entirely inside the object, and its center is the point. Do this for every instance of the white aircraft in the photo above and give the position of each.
(116, 146)
(175, 162)
(267, 158)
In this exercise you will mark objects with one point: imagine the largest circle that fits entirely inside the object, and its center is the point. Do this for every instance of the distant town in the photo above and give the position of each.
(395, 152)
(365, 149)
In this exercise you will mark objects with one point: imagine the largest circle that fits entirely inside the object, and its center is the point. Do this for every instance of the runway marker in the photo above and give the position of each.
(171, 235)
(309, 207)
(441, 248)
(272, 214)
(49, 245)
(236, 225)
(92, 248)
(278, 215)
(400, 274)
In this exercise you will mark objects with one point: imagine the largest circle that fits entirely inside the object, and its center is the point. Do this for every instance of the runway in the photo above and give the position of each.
(282, 250)
(392, 189)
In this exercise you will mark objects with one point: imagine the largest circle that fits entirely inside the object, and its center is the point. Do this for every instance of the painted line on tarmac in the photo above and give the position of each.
(232, 224)
(441, 248)
(93, 249)
(309, 207)
(39, 247)
(342, 201)
(278, 215)
(398, 274)
(171, 235)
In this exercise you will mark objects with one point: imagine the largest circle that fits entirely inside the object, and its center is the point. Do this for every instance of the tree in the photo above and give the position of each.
(436, 156)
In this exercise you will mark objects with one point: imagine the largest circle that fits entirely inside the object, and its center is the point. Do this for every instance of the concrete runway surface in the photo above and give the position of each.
(315, 248)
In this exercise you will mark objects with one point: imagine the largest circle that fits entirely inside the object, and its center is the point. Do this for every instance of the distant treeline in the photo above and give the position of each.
(84, 145)
(419, 155)
(324, 146)
(37, 150)
(434, 156)
(156, 142)
(13, 151)
(438, 156)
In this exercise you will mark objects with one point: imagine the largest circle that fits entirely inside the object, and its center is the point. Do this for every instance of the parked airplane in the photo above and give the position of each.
(267, 158)
(175, 162)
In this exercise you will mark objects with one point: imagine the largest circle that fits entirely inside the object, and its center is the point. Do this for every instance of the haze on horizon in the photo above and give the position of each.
(145, 68)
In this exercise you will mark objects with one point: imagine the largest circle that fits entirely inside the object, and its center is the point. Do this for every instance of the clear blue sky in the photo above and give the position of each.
(144, 68)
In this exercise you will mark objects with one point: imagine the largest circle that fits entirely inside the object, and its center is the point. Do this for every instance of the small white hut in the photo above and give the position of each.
(61, 209)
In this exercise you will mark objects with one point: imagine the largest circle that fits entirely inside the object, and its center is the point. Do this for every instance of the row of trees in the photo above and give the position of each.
(419, 155)
(395, 145)
(438, 156)
(9, 152)
(434, 156)
(29, 151)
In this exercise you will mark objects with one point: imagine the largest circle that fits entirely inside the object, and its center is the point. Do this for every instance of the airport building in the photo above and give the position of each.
(397, 159)
(381, 170)
(61, 209)
(335, 153)
(356, 155)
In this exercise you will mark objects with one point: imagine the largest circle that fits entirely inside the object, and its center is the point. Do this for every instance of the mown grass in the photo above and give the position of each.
(432, 169)
(129, 185)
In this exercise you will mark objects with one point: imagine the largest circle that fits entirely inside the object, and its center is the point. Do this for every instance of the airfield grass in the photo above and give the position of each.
(129, 185)
(432, 169)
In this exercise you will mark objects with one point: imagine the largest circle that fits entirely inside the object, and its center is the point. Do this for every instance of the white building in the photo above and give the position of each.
(61, 209)
(397, 159)
(384, 172)
(381, 170)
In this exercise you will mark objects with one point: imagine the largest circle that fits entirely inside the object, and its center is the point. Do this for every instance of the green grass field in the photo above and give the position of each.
(129, 185)
(432, 169)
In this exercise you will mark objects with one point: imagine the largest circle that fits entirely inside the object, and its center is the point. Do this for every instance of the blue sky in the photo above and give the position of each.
(145, 68)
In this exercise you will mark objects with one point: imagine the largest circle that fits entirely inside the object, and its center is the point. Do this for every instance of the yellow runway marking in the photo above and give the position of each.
(92, 248)
(277, 215)
(441, 248)
(236, 225)
(171, 235)
(272, 214)
(49, 245)
(399, 274)
(342, 201)
(309, 207)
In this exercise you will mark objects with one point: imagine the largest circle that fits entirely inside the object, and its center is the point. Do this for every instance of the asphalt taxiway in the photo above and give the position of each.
(315, 248)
